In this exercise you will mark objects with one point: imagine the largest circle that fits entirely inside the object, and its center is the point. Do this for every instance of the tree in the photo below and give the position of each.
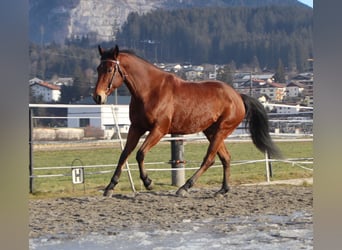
(225, 74)
(218, 35)
(255, 64)
(280, 75)
(69, 94)
(81, 83)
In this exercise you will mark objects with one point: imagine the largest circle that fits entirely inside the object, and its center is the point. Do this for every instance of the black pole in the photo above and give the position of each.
(30, 151)
(177, 161)
(270, 166)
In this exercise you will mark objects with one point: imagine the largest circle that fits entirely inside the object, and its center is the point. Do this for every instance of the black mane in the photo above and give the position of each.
(131, 52)
(128, 51)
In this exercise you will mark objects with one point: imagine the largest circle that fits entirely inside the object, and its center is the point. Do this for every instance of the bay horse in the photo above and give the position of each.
(163, 103)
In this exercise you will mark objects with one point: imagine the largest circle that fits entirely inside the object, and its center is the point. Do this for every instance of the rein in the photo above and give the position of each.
(117, 69)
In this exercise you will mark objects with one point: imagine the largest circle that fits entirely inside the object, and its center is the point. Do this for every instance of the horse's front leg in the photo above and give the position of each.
(132, 141)
(151, 140)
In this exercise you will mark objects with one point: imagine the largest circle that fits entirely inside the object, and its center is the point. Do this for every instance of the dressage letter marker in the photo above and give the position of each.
(77, 175)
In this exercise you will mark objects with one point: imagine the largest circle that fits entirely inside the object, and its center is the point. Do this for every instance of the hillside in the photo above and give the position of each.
(244, 35)
(98, 20)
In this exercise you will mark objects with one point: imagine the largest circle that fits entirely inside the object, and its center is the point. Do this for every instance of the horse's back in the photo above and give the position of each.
(198, 105)
(208, 93)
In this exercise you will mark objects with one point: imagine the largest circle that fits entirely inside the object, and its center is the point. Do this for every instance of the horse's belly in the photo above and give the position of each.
(191, 123)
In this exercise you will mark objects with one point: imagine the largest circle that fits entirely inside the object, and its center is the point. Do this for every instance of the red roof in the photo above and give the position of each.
(48, 85)
(277, 85)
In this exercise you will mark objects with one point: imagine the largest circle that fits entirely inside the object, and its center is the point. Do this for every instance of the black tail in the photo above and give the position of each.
(257, 122)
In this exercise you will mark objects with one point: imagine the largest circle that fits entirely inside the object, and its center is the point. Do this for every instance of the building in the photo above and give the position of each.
(87, 114)
(47, 91)
(64, 81)
(276, 92)
(295, 89)
(99, 116)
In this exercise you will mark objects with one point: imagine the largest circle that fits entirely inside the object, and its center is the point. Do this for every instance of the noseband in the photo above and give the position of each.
(117, 69)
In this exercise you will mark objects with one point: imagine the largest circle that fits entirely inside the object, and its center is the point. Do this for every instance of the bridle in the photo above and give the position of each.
(116, 69)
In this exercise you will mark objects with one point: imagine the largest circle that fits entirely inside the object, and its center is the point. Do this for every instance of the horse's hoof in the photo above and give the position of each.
(221, 193)
(148, 183)
(182, 193)
(150, 186)
(108, 192)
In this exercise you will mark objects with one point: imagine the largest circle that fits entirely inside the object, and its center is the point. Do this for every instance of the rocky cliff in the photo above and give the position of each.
(97, 19)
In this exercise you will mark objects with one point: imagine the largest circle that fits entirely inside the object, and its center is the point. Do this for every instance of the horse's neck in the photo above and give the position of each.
(139, 77)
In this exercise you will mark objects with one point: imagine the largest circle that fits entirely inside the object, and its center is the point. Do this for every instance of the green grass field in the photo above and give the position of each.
(194, 153)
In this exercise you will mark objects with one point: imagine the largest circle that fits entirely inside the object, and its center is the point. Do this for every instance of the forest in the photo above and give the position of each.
(223, 35)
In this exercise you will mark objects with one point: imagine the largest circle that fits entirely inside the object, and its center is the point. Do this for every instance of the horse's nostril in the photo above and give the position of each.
(97, 99)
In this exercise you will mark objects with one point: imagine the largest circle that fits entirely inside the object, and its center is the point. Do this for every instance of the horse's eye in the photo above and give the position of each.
(109, 70)
(100, 67)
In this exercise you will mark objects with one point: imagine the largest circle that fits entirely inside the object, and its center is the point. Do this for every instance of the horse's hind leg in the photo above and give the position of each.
(225, 159)
(215, 144)
(207, 162)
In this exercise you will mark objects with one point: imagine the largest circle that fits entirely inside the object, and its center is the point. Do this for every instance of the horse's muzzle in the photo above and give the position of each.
(100, 99)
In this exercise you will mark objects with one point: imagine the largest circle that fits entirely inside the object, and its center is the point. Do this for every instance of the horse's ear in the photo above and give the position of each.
(116, 51)
(100, 50)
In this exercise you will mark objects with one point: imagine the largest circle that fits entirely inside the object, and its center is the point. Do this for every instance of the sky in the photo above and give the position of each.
(307, 2)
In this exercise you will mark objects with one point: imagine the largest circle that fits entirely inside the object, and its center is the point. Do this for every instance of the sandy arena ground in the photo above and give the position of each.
(70, 218)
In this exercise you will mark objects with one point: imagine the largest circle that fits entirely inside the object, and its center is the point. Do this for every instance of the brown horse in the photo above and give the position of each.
(162, 103)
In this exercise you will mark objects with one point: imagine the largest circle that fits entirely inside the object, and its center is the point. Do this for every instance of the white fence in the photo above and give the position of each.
(103, 118)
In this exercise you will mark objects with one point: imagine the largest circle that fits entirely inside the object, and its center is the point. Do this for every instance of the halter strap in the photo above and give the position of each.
(117, 68)
(109, 60)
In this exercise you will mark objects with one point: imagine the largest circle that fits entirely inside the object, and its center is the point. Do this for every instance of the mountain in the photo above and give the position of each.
(244, 35)
(100, 20)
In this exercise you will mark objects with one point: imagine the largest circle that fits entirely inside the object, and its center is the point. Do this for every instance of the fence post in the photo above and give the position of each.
(177, 161)
(268, 167)
(30, 151)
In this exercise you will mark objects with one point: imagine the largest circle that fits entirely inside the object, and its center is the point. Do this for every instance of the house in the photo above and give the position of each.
(287, 109)
(295, 89)
(308, 100)
(35, 80)
(47, 91)
(86, 113)
(241, 78)
(64, 81)
(100, 116)
(305, 81)
(193, 75)
(257, 87)
(276, 91)
(306, 76)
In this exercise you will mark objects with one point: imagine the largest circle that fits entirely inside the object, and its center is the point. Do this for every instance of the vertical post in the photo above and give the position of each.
(250, 83)
(267, 167)
(116, 96)
(177, 161)
(270, 166)
(30, 151)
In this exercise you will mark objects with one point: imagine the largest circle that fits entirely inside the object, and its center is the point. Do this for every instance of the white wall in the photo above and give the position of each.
(99, 116)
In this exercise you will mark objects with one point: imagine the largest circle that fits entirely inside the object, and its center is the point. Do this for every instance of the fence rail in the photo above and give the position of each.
(100, 169)
(103, 169)
(293, 161)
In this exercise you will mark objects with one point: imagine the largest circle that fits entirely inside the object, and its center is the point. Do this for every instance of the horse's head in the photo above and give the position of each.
(109, 74)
